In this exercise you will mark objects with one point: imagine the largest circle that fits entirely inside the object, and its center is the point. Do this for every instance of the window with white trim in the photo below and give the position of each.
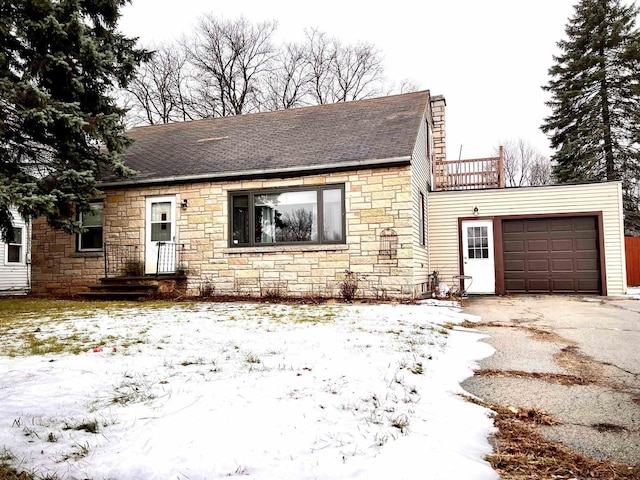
(478, 239)
(90, 240)
(287, 216)
(15, 247)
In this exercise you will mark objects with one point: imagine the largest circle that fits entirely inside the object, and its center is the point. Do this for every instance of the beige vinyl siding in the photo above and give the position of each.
(420, 168)
(14, 277)
(446, 207)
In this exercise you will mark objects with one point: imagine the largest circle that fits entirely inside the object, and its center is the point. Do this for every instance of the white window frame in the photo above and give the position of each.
(13, 244)
(79, 247)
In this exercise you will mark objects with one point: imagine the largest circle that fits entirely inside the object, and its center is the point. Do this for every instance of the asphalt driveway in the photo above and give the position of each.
(575, 357)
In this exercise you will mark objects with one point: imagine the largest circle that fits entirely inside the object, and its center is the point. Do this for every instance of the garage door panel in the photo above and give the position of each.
(586, 244)
(538, 285)
(563, 285)
(514, 246)
(538, 265)
(589, 285)
(558, 255)
(537, 246)
(514, 226)
(559, 225)
(585, 224)
(514, 265)
(587, 265)
(516, 285)
(562, 245)
(532, 226)
(562, 265)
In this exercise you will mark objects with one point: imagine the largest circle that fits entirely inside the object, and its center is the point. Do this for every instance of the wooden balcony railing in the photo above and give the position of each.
(476, 173)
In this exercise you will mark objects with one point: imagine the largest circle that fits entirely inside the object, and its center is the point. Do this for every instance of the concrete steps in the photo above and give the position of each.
(122, 288)
(133, 288)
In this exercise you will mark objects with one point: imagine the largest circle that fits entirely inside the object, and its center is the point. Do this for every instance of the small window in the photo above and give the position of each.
(287, 216)
(91, 239)
(478, 242)
(15, 247)
(161, 222)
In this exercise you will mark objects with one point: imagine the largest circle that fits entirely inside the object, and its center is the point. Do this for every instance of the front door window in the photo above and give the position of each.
(161, 222)
(478, 240)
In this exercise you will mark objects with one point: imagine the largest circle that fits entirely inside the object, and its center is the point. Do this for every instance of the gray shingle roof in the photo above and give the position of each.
(324, 137)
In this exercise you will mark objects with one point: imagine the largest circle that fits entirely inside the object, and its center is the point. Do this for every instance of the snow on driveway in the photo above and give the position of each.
(216, 390)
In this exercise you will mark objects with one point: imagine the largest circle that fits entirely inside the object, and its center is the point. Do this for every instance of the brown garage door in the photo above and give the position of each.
(551, 255)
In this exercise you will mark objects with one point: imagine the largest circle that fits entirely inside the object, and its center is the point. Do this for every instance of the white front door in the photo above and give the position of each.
(160, 227)
(478, 256)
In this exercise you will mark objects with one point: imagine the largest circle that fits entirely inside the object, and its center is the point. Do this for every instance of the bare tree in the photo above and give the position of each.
(234, 57)
(341, 73)
(320, 55)
(524, 165)
(358, 72)
(288, 84)
(540, 172)
(408, 85)
(230, 67)
(160, 92)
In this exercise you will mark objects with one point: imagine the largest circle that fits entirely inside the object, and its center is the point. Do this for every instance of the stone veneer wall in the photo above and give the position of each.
(375, 199)
(56, 268)
(438, 105)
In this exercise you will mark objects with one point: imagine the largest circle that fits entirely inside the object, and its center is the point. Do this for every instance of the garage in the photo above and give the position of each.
(551, 255)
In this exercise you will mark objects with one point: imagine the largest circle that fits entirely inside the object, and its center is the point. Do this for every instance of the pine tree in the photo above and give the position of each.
(60, 60)
(595, 100)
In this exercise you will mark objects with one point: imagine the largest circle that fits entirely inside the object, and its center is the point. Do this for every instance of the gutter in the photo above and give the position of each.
(244, 174)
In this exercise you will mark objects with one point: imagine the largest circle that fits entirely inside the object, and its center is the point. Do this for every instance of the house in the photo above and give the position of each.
(15, 259)
(297, 202)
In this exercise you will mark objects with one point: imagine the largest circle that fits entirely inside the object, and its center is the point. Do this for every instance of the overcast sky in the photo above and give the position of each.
(488, 58)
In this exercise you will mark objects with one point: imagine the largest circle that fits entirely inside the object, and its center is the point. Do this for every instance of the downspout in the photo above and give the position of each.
(27, 253)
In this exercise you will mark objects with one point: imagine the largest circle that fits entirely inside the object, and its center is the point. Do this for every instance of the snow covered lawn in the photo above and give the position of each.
(216, 390)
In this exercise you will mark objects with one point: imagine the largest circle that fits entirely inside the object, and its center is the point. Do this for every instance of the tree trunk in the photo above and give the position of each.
(610, 170)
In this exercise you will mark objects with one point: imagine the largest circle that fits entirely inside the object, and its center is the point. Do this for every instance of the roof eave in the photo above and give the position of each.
(290, 171)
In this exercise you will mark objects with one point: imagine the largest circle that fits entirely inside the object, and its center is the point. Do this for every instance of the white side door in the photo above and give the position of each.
(160, 227)
(478, 256)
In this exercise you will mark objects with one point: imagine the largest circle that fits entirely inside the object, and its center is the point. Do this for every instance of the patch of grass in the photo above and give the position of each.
(401, 422)
(521, 453)
(579, 364)
(251, 358)
(449, 325)
(132, 391)
(29, 307)
(417, 368)
(194, 361)
(14, 309)
(26, 343)
(35, 326)
(90, 426)
(559, 378)
(8, 471)
(79, 451)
